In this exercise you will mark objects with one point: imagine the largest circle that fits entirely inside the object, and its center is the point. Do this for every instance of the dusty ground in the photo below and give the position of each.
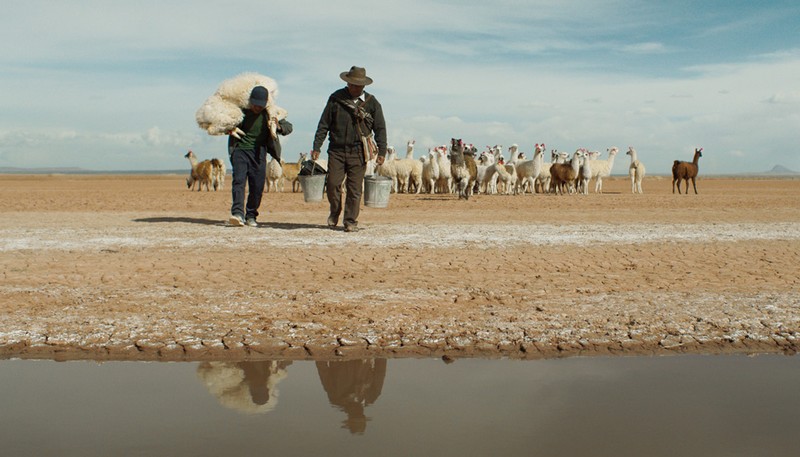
(138, 268)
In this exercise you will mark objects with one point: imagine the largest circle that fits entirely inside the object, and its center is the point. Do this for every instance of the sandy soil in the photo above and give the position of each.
(138, 268)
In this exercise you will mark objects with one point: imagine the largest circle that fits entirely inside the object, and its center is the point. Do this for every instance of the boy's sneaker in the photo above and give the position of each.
(235, 220)
(251, 222)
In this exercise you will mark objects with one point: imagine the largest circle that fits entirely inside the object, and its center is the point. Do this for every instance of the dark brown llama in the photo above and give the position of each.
(685, 171)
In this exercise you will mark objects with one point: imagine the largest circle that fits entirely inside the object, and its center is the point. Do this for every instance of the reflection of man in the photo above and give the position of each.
(351, 385)
(250, 387)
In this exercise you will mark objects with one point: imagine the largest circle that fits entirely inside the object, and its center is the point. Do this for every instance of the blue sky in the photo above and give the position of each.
(114, 85)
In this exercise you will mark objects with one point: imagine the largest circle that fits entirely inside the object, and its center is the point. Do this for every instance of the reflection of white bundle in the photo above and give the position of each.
(222, 111)
(227, 381)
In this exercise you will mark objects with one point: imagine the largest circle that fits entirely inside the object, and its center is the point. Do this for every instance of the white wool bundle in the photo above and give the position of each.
(222, 111)
(237, 89)
(218, 116)
(226, 381)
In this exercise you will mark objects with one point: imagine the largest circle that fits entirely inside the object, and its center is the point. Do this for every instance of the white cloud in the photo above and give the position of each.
(645, 48)
(792, 97)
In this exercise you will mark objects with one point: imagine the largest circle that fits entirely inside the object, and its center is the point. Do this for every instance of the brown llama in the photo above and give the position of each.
(562, 175)
(201, 174)
(291, 171)
(685, 171)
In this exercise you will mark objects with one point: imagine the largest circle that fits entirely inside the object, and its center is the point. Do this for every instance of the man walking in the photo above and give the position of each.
(248, 153)
(349, 118)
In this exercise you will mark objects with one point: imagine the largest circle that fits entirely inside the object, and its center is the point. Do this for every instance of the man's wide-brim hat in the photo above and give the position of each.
(357, 76)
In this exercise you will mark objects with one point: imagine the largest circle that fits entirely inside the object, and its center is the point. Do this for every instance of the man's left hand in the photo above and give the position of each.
(380, 159)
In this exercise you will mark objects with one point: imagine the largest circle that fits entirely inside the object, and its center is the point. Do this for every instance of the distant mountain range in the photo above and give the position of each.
(780, 170)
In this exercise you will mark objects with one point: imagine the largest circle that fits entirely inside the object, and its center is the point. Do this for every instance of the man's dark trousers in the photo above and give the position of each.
(248, 167)
(349, 163)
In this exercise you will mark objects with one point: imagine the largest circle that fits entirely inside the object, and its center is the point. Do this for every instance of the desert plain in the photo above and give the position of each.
(137, 267)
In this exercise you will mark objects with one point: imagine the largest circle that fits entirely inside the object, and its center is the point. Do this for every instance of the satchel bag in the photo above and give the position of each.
(368, 145)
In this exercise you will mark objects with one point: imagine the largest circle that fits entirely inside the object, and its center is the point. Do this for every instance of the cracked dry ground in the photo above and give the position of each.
(132, 267)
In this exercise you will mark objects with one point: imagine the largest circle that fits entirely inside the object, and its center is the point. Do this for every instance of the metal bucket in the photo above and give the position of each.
(313, 185)
(377, 190)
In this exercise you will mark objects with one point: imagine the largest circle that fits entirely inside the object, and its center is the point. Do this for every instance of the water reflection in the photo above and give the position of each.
(252, 387)
(249, 387)
(652, 406)
(351, 386)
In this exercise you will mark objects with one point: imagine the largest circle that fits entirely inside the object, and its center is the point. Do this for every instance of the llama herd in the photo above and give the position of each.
(460, 169)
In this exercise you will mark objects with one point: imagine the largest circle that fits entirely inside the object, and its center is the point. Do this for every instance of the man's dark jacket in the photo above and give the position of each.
(264, 141)
(338, 123)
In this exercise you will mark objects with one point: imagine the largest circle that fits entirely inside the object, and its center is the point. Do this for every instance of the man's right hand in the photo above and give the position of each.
(236, 132)
(314, 155)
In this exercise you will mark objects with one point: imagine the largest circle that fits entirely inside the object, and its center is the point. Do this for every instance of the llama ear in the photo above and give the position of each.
(701, 149)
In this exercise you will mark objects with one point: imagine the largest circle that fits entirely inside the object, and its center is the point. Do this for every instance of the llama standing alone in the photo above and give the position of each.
(636, 171)
(686, 171)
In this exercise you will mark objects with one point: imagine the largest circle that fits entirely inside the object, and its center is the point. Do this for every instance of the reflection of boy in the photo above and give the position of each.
(250, 387)
(351, 385)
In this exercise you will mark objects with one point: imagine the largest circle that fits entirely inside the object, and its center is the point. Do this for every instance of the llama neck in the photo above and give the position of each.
(611, 156)
(575, 162)
(538, 159)
(514, 156)
(457, 157)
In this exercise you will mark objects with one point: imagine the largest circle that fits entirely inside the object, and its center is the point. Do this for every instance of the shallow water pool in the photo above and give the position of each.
(642, 406)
